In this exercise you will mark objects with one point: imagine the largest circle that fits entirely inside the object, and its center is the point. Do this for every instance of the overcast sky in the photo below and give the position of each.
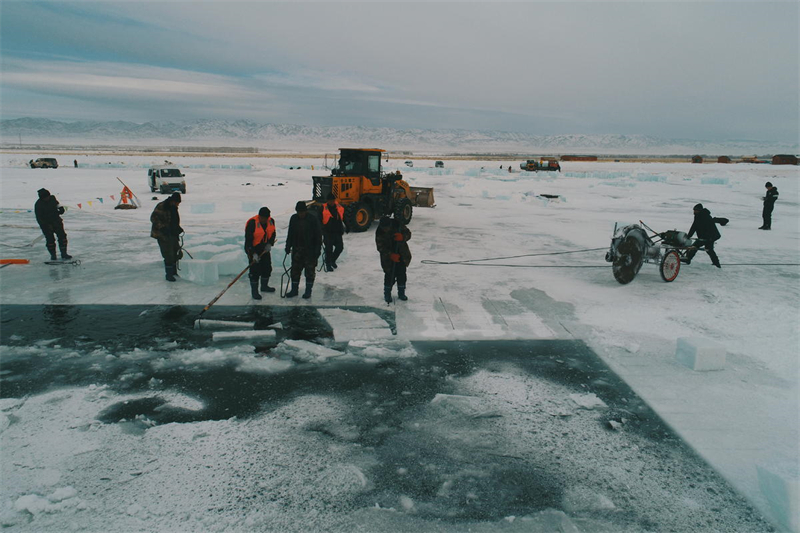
(680, 69)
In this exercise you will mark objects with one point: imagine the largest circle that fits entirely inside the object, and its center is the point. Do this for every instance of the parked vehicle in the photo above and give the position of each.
(166, 179)
(409, 163)
(439, 164)
(44, 162)
(532, 165)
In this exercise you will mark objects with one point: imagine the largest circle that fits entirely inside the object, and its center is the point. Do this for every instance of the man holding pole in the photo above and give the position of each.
(167, 230)
(259, 238)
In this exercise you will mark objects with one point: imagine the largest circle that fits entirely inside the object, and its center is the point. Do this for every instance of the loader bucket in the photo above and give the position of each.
(422, 196)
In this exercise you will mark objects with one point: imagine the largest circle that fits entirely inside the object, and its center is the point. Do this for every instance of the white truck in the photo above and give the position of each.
(166, 179)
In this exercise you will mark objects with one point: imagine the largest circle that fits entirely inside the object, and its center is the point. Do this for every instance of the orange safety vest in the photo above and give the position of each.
(326, 213)
(259, 233)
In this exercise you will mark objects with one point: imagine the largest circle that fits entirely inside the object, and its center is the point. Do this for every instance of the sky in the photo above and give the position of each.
(717, 70)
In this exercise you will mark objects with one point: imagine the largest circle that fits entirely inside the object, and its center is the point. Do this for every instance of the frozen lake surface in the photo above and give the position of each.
(126, 415)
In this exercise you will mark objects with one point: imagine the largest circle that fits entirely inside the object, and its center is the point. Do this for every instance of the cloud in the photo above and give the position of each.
(324, 81)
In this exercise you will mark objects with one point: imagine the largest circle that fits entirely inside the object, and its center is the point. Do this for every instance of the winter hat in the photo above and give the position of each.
(175, 196)
(264, 212)
(301, 206)
(698, 207)
(43, 193)
(768, 184)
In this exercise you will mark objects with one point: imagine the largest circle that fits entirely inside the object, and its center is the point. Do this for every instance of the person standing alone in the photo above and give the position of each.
(769, 205)
(167, 230)
(332, 231)
(391, 240)
(259, 238)
(48, 216)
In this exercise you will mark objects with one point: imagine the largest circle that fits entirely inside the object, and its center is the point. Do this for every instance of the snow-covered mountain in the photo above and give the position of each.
(292, 137)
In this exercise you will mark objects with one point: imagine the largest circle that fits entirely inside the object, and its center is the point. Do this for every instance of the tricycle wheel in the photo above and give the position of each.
(670, 266)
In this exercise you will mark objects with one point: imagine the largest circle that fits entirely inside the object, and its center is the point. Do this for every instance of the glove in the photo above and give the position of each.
(267, 249)
(288, 250)
(395, 258)
(61, 210)
(180, 230)
(398, 237)
(256, 258)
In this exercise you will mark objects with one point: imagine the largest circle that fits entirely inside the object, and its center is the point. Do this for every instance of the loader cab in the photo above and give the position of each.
(360, 162)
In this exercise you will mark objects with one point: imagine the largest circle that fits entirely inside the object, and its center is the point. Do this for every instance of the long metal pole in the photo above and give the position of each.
(212, 302)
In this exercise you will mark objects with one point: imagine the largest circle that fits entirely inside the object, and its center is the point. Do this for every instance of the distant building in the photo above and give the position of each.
(723, 159)
(697, 159)
(579, 158)
(784, 159)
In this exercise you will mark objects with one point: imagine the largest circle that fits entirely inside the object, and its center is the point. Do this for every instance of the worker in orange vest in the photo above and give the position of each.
(259, 238)
(332, 230)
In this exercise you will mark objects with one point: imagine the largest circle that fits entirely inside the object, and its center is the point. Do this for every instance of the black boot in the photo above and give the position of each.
(387, 294)
(254, 290)
(714, 259)
(64, 254)
(171, 270)
(295, 290)
(52, 250)
(265, 285)
(401, 292)
(309, 285)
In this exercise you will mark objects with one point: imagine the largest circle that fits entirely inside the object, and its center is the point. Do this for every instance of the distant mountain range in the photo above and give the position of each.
(281, 137)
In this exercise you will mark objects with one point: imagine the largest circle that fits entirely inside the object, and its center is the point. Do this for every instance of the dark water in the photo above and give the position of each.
(385, 397)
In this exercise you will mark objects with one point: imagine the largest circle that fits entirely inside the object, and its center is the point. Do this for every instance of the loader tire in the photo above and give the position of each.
(403, 211)
(358, 217)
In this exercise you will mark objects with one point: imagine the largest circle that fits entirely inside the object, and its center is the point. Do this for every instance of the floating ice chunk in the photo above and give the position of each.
(347, 335)
(33, 503)
(200, 271)
(204, 323)
(588, 401)
(780, 484)
(203, 209)
(244, 334)
(320, 353)
(700, 354)
(62, 493)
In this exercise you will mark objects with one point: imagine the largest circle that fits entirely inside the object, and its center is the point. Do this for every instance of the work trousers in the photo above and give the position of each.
(766, 214)
(262, 269)
(170, 250)
(303, 260)
(53, 231)
(394, 272)
(333, 247)
(709, 246)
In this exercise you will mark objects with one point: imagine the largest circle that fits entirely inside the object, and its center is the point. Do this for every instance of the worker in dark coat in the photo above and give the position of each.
(167, 230)
(259, 238)
(332, 231)
(707, 234)
(304, 243)
(391, 239)
(48, 216)
(769, 205)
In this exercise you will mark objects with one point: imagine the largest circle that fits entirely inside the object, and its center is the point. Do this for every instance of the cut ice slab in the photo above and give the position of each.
(351, 325)
(319, 353)
(201, 323)
(245, 334)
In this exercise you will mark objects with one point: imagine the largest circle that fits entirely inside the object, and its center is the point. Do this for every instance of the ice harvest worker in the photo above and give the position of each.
(167, 230)
(48, 216)
(259, 238)
(769, 205)
(707, 234)
(332, 230)
(391, 239)
(304, 243)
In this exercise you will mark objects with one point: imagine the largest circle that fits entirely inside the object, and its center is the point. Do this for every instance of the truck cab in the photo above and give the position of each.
(166, 179)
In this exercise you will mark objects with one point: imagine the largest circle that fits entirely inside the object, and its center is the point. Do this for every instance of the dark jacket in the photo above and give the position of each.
(387, 245)
(705, 226)
(48, 212)
(772, 195)
(166, 221)
(335, 225)
(304, 234)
